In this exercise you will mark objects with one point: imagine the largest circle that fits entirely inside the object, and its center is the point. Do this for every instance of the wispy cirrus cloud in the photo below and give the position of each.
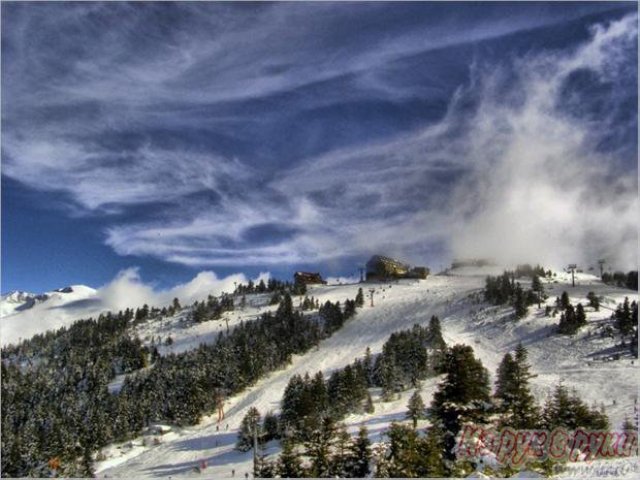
(279, 134)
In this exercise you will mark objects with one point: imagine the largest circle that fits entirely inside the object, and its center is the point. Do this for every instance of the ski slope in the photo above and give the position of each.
(454, 298)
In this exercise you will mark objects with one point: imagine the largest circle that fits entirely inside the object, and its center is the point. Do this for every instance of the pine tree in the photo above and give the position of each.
(594, 301)
(437, 344)
(416, 408)
(538, 289)
(369, 408)
(404, 457)
(285, 309)
(463, 396)
(248, 428)
(289, 464)
(564, 301)
(360, 298)
(581, 317)
(505, 380)
(361, 454)
(431, 462)
(176, 305)
(368, 367)
(624, 318)
(319, 446)
(519, 302)
(270, 426)
(566, 410)
(512, 388)
(342, 459)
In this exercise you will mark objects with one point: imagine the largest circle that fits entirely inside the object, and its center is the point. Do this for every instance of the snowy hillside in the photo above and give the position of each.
(583, 361)
(23, 315)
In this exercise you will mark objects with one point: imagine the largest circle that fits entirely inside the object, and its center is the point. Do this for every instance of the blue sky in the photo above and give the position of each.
(182, 137)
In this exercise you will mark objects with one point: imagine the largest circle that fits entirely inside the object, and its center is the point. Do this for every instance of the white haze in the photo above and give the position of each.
(128, 289)
(539, 191)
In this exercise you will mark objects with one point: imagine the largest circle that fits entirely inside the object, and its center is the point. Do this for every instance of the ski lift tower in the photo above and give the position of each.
(572, 267)
(601, 262)
(371, 292)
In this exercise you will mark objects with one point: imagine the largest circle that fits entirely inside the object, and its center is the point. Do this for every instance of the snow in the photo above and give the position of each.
(187, 335)
(454, 297)
(25, 315)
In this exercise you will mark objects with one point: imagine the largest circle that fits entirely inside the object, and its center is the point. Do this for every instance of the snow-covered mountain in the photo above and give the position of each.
(24, 314)
(13, 301)
(579, 361)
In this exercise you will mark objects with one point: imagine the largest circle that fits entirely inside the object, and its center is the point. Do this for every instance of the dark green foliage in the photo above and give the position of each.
(520, 302)
(360, 298)
(415, 408)
(249, 428)
(564, 301)
(299, 289)
(308, 303)
(176, 305)
(626, 317)
(361, 455)
(437, 344)
(271, 427)
(319, 446)
(289, 464)
(62, 399)
(527, 270)
(463, 396)
(620, 279)
(411, 455)
(368, 406)
(594, 301)
(347, 388)
(212, 309)
(404, 360)
(538, 290)
(512, 390)
(307, 401)
(332, 315)
(499, 290)
(572, 319)
(567, 410)
(505, 290)
(276, 298)
(272, 285)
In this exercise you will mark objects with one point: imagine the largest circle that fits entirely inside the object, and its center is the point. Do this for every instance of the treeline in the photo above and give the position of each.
(403, 363)
(620, 279)
(465, 397)
(504, 290)
(270, 286)
(625, 318)
(316, 445)
(57, 411)
(212, 308)
(55, 400)
(572, 318)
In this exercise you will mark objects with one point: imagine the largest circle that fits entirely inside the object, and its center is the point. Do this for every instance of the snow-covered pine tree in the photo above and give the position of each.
(463, 396)
(289, 464)
(415, 408)
(512, 389)
(249, 427)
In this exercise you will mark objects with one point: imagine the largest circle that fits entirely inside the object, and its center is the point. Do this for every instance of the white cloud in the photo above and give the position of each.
(128, 290)
(513, 177)
(528, 185)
